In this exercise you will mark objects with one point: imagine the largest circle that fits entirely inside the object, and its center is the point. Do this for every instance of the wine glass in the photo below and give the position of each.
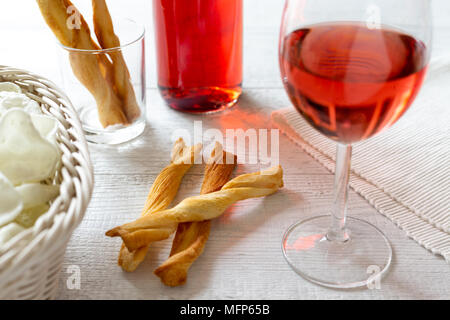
(351, 68)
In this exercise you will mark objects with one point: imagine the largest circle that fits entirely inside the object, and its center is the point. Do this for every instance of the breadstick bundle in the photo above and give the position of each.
(190, 238)
(190, 219)
(161, 194)
(162, 224)
(105, 75)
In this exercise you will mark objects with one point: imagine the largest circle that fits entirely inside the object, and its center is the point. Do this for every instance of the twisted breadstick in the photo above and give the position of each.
(160, 225)
(90, 69)
(104, 31)
(162, 192)
(191, 237)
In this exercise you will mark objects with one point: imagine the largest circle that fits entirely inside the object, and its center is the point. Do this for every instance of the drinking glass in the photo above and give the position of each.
(351, 68)
(132, 54)
(199, 53)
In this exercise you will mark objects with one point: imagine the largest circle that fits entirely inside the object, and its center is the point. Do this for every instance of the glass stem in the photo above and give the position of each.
(338, 232)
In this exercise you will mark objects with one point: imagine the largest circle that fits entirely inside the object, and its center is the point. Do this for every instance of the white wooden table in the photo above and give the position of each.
(243, 258)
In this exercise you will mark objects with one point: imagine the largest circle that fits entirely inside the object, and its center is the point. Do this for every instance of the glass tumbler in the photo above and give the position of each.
(107, 86)
(199, 53)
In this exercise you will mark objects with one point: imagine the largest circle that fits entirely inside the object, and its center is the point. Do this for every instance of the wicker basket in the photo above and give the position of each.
(31, 262)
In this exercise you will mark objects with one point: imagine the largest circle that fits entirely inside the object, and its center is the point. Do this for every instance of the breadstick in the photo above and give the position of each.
(160, 225)
(90, 69)
(162, 192)
(104, 31)
(191, 237)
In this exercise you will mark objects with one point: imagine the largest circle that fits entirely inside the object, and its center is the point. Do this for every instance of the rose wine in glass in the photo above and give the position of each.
(199, 53)
(351, 68)
(343, 85)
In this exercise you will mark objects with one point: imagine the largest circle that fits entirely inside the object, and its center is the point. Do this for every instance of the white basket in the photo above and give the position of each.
(31, 262)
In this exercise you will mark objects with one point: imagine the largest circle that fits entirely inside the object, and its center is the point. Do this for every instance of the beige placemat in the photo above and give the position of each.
(405, 171)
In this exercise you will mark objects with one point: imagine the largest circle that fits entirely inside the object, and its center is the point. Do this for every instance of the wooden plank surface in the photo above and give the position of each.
(243, 258)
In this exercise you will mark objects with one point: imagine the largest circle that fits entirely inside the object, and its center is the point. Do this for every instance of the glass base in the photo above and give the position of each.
(111, 135)
(360, 261)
